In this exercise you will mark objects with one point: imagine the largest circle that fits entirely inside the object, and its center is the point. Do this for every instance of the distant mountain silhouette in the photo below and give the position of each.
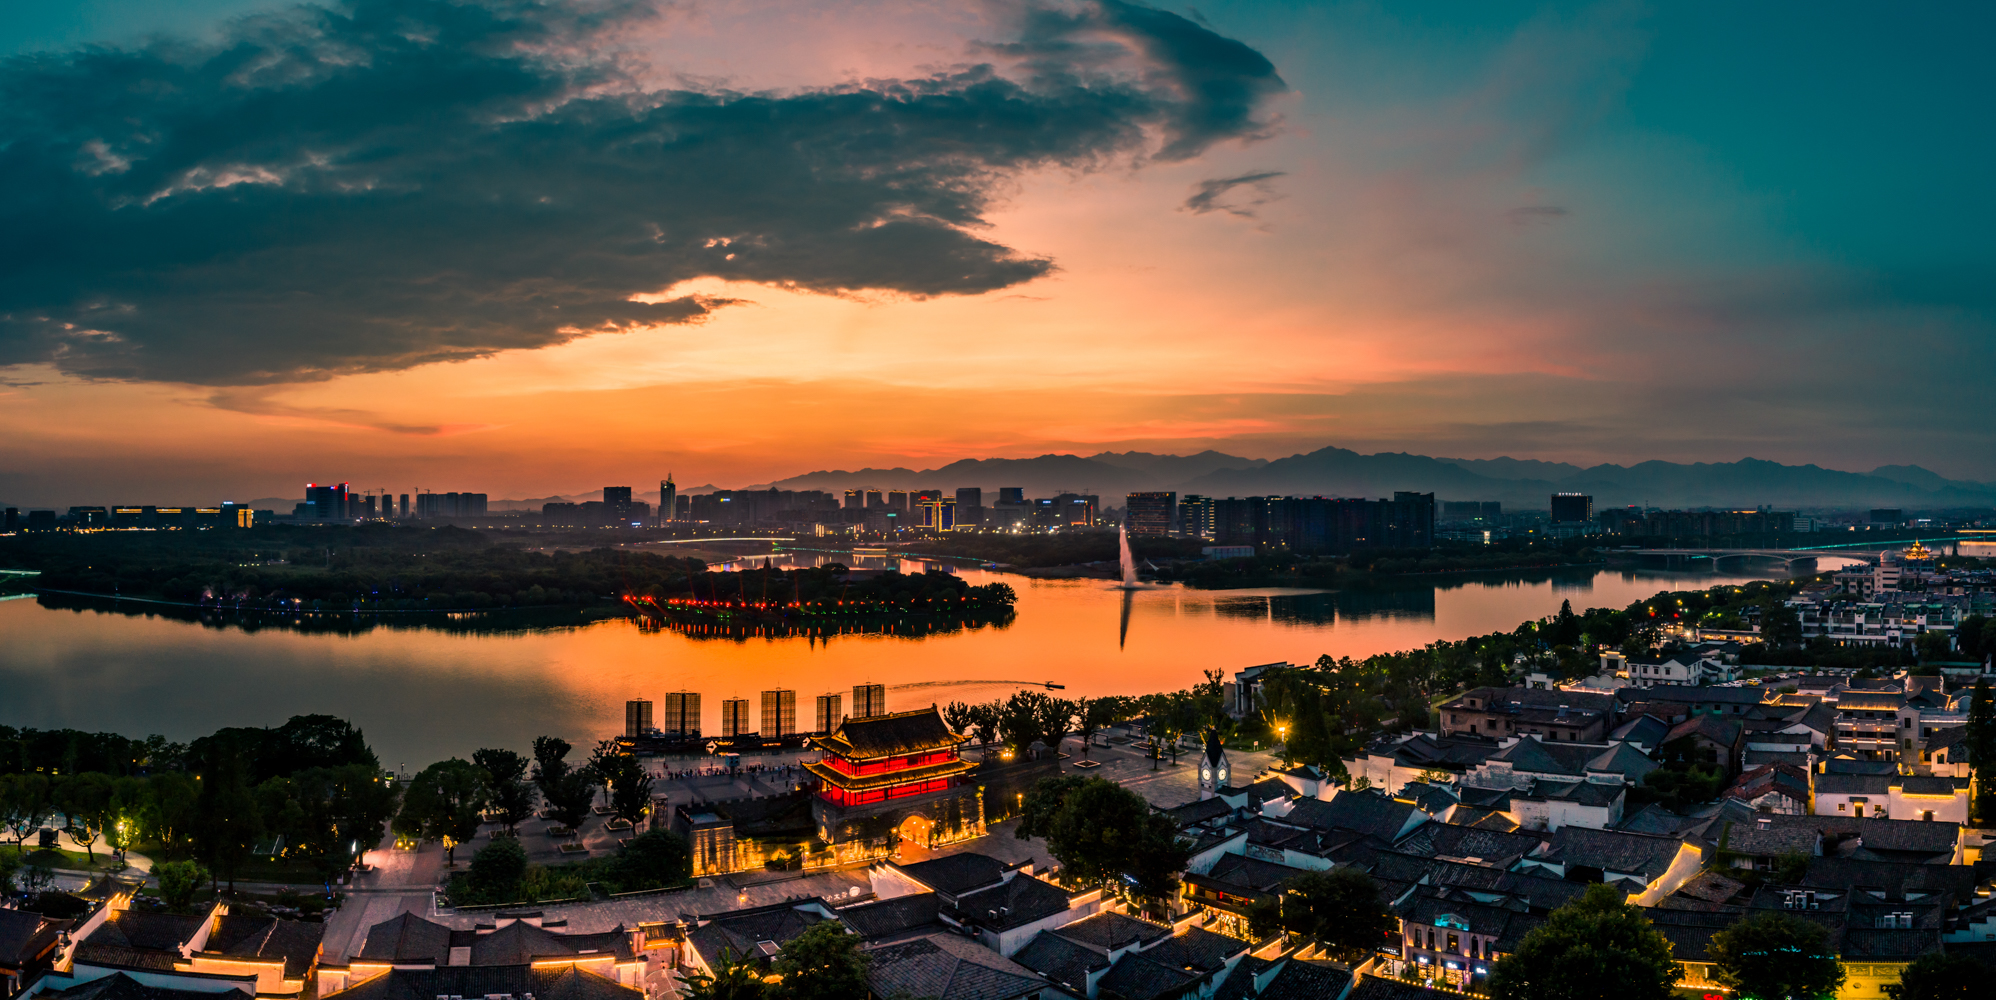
(1516, 483)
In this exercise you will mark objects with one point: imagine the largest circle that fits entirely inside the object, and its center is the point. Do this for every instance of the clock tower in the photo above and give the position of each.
(1214, 771)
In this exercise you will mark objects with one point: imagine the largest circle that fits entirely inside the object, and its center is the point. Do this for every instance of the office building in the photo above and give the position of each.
(323, 503)
(937, 513)
(869, 700)
(1888, 516)
(1195, 516)
(831, 712)
(405, 506)
(617, 505)
(434, 505)
(1150, 513)
(969, 507)
(779, 714)
(668, 499)
(897, 500)
(1326, 524)
(1572, 508)
(1012, 495)
(680, 714)
(637, 718)
(41, 520)
(735, 717)
(13, 521)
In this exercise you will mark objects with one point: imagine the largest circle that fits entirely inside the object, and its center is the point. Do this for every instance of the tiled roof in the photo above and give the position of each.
(1015, 903)
(1063, 962)
(1251, 873)
(1365, 812)
(118, 986)
(947, 967)
(24, 935)
(896, 735)
(1943, 739)
(509, 981)
(1718, 729)
(148, 930)
(1381, 988)
(406, 938)
(738, 932)
(889, 917)
(519, 943)
(245, 936)
(1916, 785)
(1613, 851)
(1768, 840)
(1301, 980)
(955, 874)
(1854, 784)
(1493, 846)
(1109, 931)
(1138, 976)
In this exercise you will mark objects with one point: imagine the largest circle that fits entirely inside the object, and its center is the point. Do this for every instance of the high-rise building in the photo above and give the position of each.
(874, 498)
(680, 713)
(1012, 495)
(779, 713)
(830, 713)
(13, 522)
(668, 497)
(735, 717)
(855, 498)
(405, 506)
(897, 500)
(617, 505)
(1195, 516)
(431, 505)
(1572, 508)
(637, 718)
(969, 507)
(325, 503)
(1150, 513)
(869, 700)
(938, 513)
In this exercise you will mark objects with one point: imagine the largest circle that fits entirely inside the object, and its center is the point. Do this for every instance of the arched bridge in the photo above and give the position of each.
(1728, 560)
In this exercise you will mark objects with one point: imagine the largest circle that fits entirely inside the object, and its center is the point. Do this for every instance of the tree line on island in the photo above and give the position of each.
(386, 568)
(310, 797)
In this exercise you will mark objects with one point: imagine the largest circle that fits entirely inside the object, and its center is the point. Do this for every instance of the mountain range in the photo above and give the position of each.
(1516, 483)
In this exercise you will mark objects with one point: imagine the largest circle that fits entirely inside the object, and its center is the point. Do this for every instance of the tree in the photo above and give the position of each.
(1780, 626)
(85, 802)
(568, 790)
(178, 882)
(626, 779)
(734, 977)
(653, 859)
(24, 805)
(1339, 908)
(1941, 976)
(823, 963)
(443, 803)
(507, 790)
(1775, 956)
(328, 815)
(1596, 946)
(1104, 834)
(169, 815)
(1043, 802)
(1094, 717)
(497, 868)
(10, 865)
(228, 822)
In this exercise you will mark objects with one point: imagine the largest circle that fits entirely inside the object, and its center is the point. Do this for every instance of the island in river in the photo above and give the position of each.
(387, 568)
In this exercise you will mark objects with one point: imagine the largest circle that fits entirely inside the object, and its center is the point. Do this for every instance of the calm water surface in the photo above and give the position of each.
(422, 694)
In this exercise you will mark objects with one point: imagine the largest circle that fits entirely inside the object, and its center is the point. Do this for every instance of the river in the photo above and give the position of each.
(422, 693)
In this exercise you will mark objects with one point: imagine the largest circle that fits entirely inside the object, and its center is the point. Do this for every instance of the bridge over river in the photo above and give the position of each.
(1793, 561)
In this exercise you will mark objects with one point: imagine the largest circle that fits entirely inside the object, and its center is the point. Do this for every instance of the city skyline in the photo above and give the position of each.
(1577, 233)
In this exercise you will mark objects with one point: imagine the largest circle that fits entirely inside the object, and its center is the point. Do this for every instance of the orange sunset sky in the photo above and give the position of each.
(1544, 232)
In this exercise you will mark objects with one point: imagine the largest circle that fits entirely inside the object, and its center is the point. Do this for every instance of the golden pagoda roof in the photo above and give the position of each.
(898, 735)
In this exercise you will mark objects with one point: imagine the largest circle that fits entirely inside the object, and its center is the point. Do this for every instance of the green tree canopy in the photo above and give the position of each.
(1340, 908)
(823, 963)
(228, 822)
(625, 778)
(568, 790)
(498, 868)
(178, 882)
(1104, 834)
(1596, 946)
(442, 803)
(1775, 956)
(507, 790)
(734, 977)
(1941, 976)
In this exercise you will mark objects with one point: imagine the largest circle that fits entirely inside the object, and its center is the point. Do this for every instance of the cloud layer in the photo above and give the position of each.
(381, 185)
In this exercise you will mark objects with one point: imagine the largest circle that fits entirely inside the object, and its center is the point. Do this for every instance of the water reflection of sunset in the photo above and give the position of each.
(427, 694)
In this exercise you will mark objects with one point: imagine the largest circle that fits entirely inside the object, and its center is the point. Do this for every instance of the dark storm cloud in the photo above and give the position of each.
(1212, 195)
(386, 184)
